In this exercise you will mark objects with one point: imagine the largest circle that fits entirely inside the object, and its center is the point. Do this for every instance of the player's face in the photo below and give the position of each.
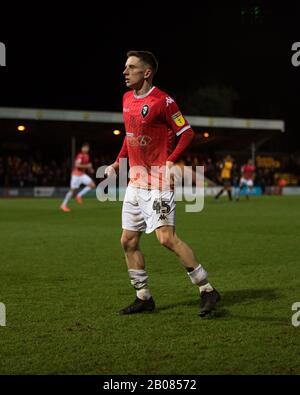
(85, 149)
(135, 72)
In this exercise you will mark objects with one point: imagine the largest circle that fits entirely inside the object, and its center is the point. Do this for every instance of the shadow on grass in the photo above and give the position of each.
(239, 296)
(230, 298)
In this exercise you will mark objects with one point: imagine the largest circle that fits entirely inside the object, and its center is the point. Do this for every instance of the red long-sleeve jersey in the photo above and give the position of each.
(151, 122)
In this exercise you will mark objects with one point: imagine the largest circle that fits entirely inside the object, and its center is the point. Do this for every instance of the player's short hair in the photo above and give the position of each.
(86, 144)
(146, 57)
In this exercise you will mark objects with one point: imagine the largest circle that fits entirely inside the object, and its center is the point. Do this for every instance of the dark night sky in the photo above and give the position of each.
(74, 58)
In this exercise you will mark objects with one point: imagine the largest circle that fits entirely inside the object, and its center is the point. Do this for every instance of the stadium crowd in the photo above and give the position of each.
(268, 171)
(29, 171)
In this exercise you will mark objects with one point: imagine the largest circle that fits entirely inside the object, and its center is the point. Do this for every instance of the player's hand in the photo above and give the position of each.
(111, 169)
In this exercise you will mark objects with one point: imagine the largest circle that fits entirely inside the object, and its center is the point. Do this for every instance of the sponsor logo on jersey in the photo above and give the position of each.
(141, 141)
(144, 140)
(178, 119)
(145, 110)
(129, 134)
(125, 109)
(169, 100)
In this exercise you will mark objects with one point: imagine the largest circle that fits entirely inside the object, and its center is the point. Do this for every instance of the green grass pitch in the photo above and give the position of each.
(63, 278)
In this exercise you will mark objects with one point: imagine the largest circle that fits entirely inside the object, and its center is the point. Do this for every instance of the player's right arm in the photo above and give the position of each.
(114, 167)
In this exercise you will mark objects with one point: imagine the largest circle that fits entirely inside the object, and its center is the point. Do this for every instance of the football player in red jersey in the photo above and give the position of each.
(150, 115)
(81, 165)
(247, 179)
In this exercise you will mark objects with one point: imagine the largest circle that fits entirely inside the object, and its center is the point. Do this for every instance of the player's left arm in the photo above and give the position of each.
(91, 169)
(183, 143)
(180, 127)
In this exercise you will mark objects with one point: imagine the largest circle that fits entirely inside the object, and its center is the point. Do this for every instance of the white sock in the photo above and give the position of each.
(84, 191)
(143, 294)
(197, 275)
(206, 288)
(67, 198)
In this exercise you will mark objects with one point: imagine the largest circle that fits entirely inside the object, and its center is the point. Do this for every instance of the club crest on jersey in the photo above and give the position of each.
(178, 119)
(145, 110)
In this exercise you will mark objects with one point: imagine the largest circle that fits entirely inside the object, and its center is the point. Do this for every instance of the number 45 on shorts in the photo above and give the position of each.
(161, 206)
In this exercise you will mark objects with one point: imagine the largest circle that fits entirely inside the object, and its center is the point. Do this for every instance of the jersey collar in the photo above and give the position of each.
(145, 94)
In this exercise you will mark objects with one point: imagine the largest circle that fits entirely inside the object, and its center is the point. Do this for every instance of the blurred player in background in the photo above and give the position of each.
(235, 178)
(226, 168)
(79, 177)
(152, 121)
(247, 179)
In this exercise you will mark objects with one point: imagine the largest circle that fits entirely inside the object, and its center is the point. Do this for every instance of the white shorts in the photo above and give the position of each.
(145, 210)
(248, 182)
(76, 181)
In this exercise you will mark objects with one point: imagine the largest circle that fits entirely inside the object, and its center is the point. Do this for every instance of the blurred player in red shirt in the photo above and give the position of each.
(79, 177)
(281, 184)
(152, 122)
(247, 179)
